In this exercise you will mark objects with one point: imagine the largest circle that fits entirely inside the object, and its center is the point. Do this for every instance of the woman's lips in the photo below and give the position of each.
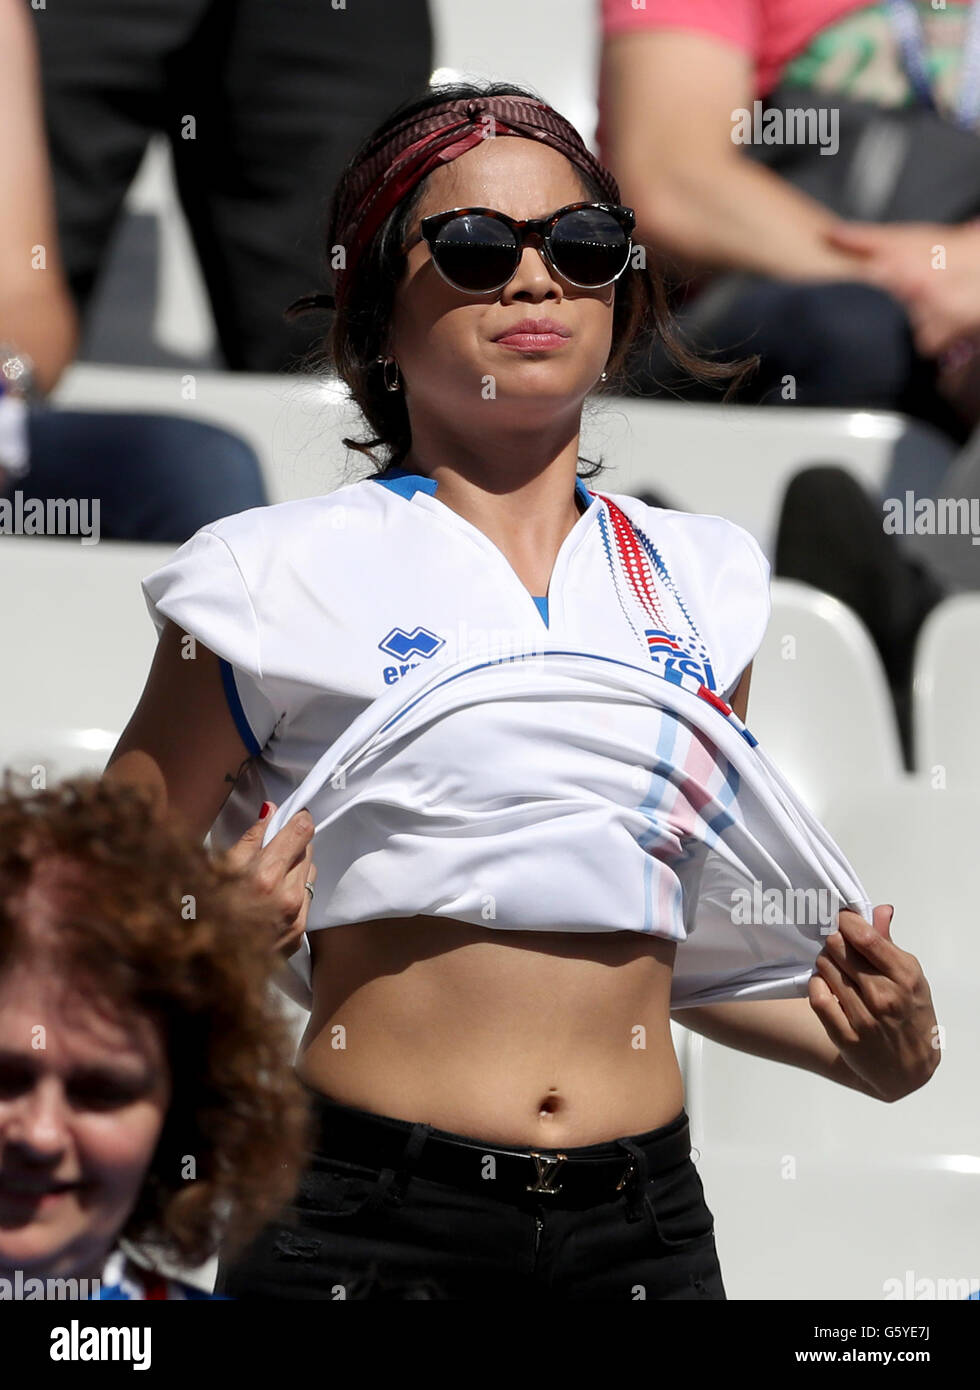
(535, 334)
(532, 342)
(27, 1196)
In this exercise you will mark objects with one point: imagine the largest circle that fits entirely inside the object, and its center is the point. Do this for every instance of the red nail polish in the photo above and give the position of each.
(266, 808)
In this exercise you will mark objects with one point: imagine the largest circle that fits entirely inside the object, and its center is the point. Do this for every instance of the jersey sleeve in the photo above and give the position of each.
(203, 591)
(744, 579)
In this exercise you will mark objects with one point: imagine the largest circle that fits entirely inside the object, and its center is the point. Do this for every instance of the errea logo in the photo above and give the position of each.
(420, 642)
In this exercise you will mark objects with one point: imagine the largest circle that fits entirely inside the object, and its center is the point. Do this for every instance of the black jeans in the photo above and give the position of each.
(356, 1230)
(262, 102)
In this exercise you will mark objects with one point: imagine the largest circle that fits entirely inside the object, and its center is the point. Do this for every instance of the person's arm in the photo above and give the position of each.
(183, 747)
(779, 1030)
(182, 743)
(668, 100)
(37, 314)
(868, 1021)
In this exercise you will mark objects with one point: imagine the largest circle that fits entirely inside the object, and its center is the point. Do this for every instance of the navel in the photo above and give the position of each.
(550, 1103)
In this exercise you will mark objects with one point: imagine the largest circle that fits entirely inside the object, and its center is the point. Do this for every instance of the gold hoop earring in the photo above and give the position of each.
(389, 384)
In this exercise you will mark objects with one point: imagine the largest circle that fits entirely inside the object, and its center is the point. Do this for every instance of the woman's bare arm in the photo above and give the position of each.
(182, 743)
(780, 1030)
(669, 99)
(37, 314)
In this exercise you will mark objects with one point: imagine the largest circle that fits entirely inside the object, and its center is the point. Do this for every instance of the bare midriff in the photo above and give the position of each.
(540, 1038)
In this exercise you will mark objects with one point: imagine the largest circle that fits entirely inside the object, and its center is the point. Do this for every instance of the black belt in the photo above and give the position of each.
(554, 1176)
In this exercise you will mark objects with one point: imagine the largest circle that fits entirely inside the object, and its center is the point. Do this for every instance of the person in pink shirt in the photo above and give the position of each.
(853, 313)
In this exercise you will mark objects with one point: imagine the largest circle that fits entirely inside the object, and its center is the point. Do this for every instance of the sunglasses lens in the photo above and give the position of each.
(475, 252)
(589, 246)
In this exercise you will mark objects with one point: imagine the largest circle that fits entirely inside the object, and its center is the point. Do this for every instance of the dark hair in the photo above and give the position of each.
(357, 334)
(140, 920)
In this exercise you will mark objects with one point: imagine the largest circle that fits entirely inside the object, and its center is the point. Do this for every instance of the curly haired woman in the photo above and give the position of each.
(147, 1104)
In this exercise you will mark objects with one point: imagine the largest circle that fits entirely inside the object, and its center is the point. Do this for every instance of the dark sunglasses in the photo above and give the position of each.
(478, 250)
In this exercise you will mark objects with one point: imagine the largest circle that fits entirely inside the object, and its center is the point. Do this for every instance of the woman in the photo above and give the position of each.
(146, 1098)
(451, 1061)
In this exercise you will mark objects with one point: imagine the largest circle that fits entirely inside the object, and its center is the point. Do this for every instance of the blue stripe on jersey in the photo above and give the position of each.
(235, 705)
(542, 607)
(406, 484)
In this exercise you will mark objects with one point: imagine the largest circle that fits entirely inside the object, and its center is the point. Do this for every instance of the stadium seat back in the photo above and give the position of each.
(946, 694)
(819, 700)
(78, 642)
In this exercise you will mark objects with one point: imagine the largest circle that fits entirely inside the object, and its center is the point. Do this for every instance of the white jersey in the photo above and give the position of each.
(317, 607)
(563, 790)
(331, 613)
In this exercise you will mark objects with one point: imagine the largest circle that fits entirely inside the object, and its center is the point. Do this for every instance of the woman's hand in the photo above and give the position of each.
(942, 295)
(277, 874)
(875, 1004)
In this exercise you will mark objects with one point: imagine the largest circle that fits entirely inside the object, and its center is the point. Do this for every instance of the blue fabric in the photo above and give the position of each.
(542, 607)
(407, 484)
(157, 477)
(235, 705)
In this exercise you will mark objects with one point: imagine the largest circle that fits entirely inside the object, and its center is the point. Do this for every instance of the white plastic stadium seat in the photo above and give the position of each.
(77, 642)
(946, 694)
(295, 424)
(872, 1227)
(794, 1163)
(819, 700)
(731, 461)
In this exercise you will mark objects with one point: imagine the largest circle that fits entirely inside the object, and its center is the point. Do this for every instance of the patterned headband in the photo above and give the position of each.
(396, 161)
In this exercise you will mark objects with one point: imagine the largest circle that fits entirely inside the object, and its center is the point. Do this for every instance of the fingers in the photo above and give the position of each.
(295, 882)
(297, 898)
(248, 848)
(828, 1009)
(858, 237)
(862, 949)
(873, 979)
(882, 917)
(845, 991)
(288, 847)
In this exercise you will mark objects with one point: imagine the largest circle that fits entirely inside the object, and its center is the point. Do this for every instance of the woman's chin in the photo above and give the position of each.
(538, 380)
(36, 1258)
